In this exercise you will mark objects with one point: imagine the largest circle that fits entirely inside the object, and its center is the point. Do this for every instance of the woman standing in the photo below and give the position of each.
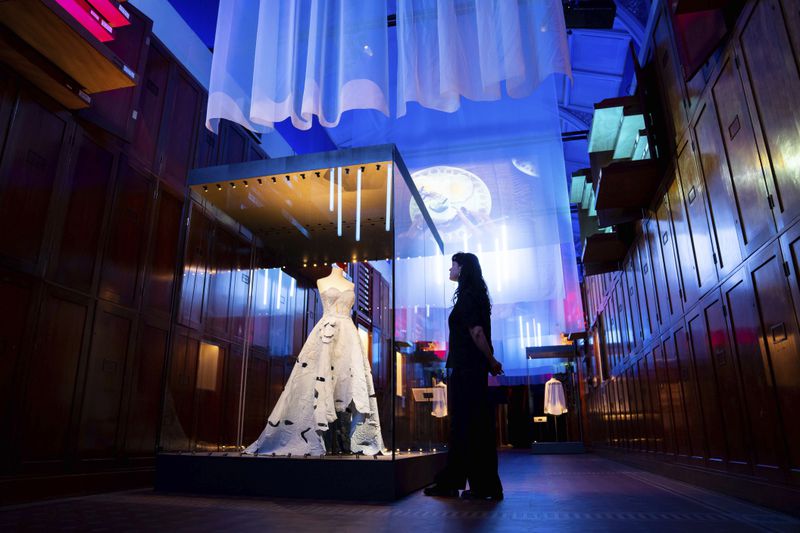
(472, 455)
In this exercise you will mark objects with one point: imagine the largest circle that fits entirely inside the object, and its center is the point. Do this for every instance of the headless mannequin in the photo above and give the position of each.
(335, 279)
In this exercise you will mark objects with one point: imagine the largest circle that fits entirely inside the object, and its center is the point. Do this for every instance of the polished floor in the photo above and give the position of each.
(543, 493)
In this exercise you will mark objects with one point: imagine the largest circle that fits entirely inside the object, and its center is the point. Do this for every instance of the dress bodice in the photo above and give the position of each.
(337, 302)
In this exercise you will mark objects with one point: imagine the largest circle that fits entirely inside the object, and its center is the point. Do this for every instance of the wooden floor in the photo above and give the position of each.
(543, 493)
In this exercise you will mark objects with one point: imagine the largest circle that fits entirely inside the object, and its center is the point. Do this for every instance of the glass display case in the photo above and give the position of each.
(262, 329)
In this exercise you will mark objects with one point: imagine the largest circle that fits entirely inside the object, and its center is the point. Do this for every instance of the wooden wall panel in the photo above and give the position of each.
(779, 340)
(233, 143)
(701, 274)
(195, 280)
(632, 301)
(209, 396)
(673, 346)
(668, 68)
(121, 272)
(792, 16)
(232, 396)
(683, 243)
(160, 276)
(670, 291)
(719, 188)
(180, 125)
(774, 77)
(657, 276)
(146, 389)
(76, 257)
(102, 398)
(223, 257)
(177, 422)
(749, 187)
(150, 110)
(256, 396)
(33, 158)
(648, 284)
(761, 413)
(240, 288)
(52, 373)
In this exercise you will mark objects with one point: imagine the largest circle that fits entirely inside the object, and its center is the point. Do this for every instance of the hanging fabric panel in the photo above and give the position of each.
(279, 59)
(453, 48)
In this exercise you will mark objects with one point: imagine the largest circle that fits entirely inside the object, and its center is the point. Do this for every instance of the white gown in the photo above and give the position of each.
(332, 375)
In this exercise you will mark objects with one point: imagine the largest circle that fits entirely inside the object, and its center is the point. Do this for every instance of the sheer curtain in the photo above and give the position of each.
(279, 59)
(453, 48)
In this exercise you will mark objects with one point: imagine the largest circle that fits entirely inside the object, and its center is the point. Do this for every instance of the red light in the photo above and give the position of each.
(80, 10)
(110, 11)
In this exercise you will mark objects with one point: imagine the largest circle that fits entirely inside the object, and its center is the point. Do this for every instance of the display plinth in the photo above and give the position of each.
(327, 478)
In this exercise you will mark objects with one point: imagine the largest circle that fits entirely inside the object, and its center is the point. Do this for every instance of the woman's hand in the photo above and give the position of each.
(495, 367)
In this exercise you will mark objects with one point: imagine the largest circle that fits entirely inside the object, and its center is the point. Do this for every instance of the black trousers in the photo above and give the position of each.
(472, 455)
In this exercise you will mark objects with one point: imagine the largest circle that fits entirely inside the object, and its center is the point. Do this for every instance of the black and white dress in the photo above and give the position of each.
(332, 375)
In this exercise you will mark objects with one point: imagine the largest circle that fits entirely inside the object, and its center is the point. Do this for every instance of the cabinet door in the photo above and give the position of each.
(160, 278)
(648, 281)
(675, 346)
(694, 335)
(670, 288)
(177, 423)
(194, 283)
(683, 243)
(779, 339)
(180, 127)
(240, 284)
(17, 294)
(75, 261)
(641, 290)
(775, 82)
(626, 342)
(669, 72)
(632, 298)
(256, 395)
(725, 222)
(234, 363)
(150, 111)
(763, 434)
(52, 375)
(699, 252)
(747, 177)
(121, 272)
(207, 143)
(663, 398)
(645, 410)
(657, 274)
(32, 160)
(727, 380)
(223, 257)
(233, 143)
(105, 376)
(792, 16)
(147, 382)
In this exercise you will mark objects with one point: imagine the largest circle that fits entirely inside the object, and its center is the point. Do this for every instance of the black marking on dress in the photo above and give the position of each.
(321, 424)
(348, 410)
(303, 434)
(273, 425)
(373, 395)
(316, 394)
(288, 422)
(305, 365)
(319, 378)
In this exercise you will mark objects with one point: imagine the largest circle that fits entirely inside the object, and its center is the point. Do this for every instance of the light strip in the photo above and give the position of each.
(539, 333)
(280, 287)
(332, 179)
(339, 200)
(521, 337)
(264, 298)
(291, 289)
(527, 334)
(498, 265)
(358, 205)
(388, 197)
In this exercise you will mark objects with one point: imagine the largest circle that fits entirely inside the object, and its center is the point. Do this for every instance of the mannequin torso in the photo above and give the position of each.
(335, 280)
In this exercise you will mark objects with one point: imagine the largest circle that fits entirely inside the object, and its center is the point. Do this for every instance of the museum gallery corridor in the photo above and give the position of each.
(545, 492)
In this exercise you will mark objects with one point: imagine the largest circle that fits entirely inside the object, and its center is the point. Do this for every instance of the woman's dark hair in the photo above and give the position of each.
(470, 280)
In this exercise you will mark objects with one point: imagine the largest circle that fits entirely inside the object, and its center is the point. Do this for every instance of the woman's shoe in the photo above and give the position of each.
(470, 495)
(436, 490)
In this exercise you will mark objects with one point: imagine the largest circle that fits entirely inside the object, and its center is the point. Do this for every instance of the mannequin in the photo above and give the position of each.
(336, 280)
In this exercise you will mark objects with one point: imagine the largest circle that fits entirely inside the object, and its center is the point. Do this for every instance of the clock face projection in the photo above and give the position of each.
(451, 195)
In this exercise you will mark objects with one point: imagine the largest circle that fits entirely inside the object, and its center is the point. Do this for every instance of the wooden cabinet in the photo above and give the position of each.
(763, 434)
(648, 281)
(150, 111)
(105, 376)
(146, 385)
(670, 76)
(720, 190)
(121, 272)
(180, 127)
(163, 257)
(632, 300)
(698, 254)
(217, 317)
(747, 177)
(778, 335)
(194, 282)
(774, 79)
(675, 345)
(685, 260)
(33, 159)
(669, 287)
(51, 374)
(76, 257)
(256, 396)
(178, 419)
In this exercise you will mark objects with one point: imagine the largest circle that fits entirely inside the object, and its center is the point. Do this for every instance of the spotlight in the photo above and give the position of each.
(260, 182)
(205, 188)
(245, 183)
(219, 187)
(233, 185)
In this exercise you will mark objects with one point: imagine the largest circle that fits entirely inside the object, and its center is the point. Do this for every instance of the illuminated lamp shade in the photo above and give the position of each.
(80, 11)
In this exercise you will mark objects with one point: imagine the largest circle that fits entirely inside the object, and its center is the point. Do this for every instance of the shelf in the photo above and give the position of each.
(627, 185)
(31, 65)
(115, 14)
(603, 252)
(55, 34)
